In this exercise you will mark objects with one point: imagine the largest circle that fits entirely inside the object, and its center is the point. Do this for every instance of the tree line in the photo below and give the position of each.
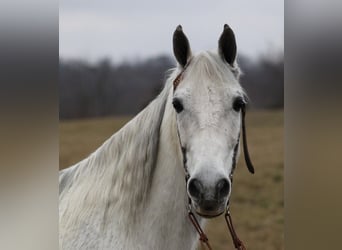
(107, 89)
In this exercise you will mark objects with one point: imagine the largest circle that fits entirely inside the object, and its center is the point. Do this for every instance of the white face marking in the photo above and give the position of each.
(208, 125)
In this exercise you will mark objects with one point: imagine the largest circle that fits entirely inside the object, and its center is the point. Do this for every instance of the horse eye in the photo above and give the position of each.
(238, 104)
(177, 105)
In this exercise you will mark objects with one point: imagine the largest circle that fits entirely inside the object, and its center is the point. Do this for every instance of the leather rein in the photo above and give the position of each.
(238, 244)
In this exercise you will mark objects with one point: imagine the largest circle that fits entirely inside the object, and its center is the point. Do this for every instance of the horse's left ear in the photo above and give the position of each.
(227, 45)
(181, 46)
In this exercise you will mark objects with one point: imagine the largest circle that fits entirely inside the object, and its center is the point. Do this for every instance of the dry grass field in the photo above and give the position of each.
(257, 200)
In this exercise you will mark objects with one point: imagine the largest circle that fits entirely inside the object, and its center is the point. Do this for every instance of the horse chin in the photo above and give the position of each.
(209, 214)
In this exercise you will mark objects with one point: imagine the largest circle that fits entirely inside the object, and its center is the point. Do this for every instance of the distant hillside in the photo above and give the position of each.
(103, 89)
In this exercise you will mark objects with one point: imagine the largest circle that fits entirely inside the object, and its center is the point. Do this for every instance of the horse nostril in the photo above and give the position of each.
(195, 188)
(222, 187)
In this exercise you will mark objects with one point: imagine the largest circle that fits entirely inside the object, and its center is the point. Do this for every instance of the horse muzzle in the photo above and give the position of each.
(209, 200)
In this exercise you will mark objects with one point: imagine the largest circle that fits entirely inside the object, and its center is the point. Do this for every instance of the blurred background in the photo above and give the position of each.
(113, 59)
(114, 52)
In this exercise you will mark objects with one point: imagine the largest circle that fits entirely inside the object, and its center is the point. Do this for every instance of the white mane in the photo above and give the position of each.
(120, 171)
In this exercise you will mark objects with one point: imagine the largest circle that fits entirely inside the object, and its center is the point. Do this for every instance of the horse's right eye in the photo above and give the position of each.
(177, 105)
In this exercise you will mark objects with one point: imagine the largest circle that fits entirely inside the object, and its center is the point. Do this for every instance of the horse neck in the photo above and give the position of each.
(116, 178)
(135, 176)
(168, 200)
(163, 207)
(168, 178)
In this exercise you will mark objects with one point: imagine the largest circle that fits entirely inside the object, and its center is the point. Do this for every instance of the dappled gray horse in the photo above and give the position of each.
(130, 193)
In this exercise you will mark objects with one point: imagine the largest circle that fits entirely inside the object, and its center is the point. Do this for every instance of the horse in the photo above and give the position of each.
(178, 154)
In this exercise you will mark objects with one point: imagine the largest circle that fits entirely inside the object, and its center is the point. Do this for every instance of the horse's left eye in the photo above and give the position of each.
(177, 105)
(238, 104)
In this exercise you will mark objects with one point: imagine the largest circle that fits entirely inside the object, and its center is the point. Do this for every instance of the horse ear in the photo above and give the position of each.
(227, 45)
(181, 46)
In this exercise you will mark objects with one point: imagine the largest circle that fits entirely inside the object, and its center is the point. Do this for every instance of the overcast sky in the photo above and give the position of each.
(128, 30)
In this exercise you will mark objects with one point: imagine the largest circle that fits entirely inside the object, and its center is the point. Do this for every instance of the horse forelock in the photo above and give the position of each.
(209, 65)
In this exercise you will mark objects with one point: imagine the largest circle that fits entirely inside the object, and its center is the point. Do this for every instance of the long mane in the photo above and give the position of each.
(119, 173)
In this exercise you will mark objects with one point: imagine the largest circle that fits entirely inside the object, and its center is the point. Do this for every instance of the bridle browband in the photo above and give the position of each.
(203, 237)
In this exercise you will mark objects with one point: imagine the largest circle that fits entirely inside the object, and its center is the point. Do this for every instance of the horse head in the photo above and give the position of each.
(209, 105)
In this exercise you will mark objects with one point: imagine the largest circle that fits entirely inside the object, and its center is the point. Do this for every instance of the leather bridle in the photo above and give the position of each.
(203, 237)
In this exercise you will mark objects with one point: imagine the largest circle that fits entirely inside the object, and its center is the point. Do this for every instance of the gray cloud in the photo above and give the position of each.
(135, 29)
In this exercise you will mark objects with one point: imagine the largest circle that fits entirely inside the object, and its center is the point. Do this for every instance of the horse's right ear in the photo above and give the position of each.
(181, 46)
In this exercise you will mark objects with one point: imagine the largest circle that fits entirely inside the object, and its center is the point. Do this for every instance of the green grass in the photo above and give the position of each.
(257, 200)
